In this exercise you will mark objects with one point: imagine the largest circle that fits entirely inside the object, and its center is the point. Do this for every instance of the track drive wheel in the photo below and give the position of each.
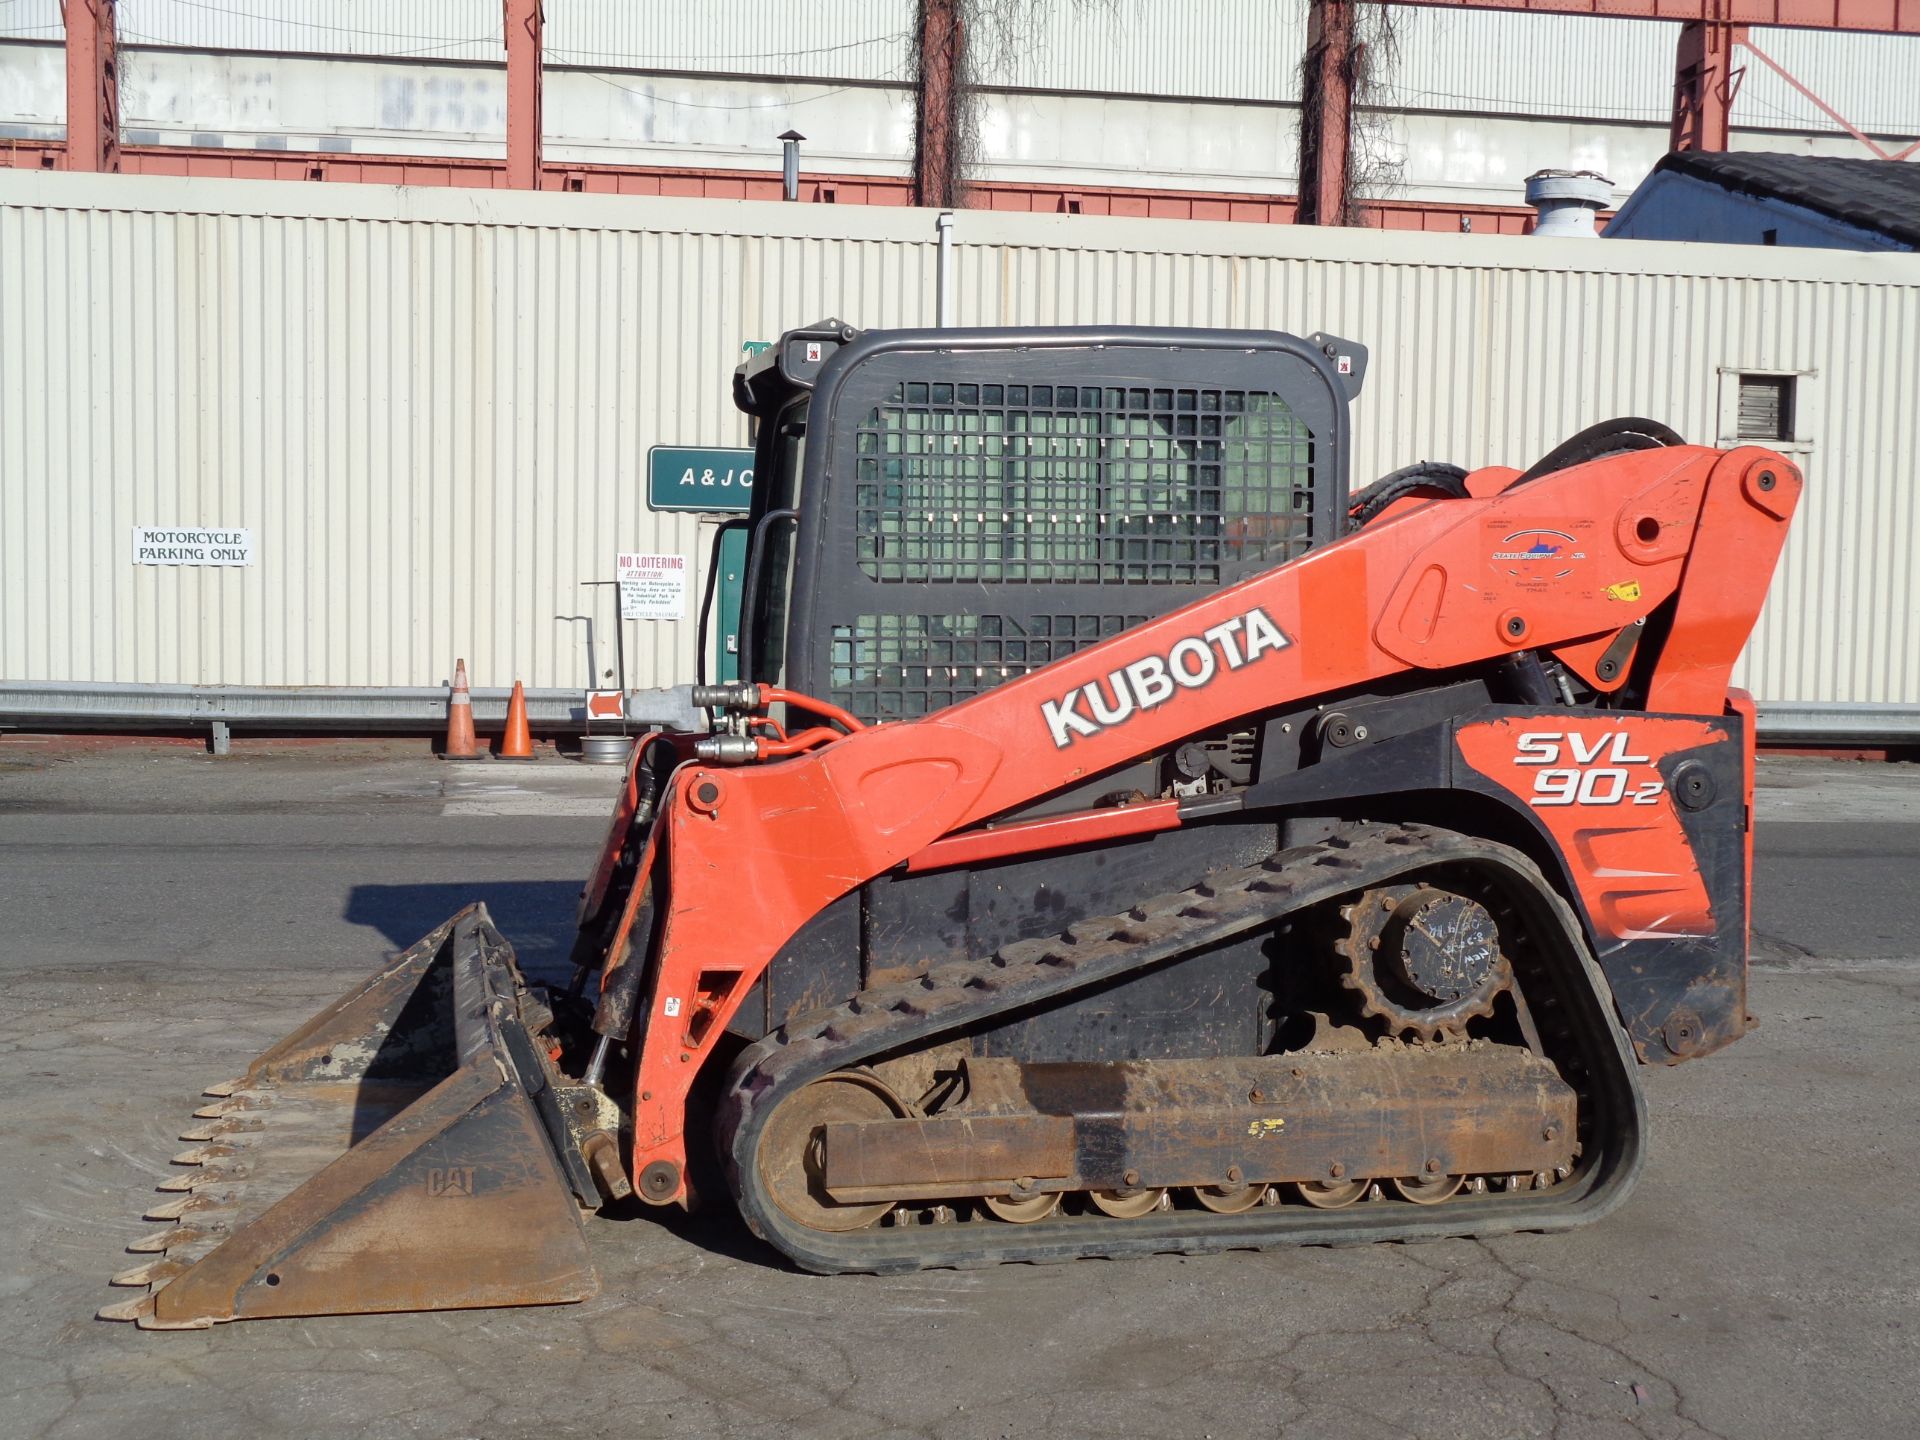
(1425, 960)
(792, 1158)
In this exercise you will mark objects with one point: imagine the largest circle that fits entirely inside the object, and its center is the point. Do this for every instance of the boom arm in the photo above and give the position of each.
(1562, 563)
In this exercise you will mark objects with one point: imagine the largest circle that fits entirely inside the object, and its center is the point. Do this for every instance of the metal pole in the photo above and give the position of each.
(93, 85)
(790, 165)
(524, 24)
(1326, 113)
(619, 647)
(943, 270)
(620, 655)
(936, 180)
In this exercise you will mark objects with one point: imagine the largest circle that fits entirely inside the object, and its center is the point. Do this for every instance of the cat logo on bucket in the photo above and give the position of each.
(446, 1181)
(1087, 710)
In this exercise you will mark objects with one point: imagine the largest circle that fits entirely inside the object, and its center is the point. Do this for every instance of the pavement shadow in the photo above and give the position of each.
(536, 916)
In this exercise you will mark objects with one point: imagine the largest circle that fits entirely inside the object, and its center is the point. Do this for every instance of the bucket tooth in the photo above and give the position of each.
(225, 1087)
(224, 1107)
(221, 1129)
(154, 1272)
(201, 1154)
(201, 1176)
(172, 1238)
(174, 1209)
(409, 1155)
(135, 1309)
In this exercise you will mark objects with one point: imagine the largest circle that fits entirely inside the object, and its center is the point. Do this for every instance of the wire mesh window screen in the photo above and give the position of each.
(896, 667)
(1079, 484)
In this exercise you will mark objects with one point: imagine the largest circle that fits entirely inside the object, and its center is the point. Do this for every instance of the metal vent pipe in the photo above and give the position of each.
(790, 165)
(1565, 201)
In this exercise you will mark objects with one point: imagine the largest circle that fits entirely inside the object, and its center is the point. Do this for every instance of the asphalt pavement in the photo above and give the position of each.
(164, 915)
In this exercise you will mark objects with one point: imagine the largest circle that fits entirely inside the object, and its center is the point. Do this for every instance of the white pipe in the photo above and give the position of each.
(943, 274)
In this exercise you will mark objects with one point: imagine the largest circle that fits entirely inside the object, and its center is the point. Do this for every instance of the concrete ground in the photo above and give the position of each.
(165, 915)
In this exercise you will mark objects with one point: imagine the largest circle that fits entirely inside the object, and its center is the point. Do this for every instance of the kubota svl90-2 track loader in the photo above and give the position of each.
(1122, 840)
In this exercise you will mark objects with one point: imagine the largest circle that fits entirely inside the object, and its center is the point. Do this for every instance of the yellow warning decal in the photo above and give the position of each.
(1628, 590)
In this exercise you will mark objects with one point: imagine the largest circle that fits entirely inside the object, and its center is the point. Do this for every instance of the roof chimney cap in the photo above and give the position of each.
(1567, 200)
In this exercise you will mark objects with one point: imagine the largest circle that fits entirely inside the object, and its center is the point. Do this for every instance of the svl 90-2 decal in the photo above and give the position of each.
(1593, 782)
(1585, 781)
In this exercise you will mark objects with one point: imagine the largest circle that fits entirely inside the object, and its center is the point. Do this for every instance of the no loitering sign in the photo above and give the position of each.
(652, 587)
(179, 545)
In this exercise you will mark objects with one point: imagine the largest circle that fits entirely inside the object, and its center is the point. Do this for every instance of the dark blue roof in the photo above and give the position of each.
(1881, 195)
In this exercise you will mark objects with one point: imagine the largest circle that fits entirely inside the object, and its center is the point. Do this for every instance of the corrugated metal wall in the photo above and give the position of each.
(31, 20)
(837, 39)
(428, 29)
(434, 407)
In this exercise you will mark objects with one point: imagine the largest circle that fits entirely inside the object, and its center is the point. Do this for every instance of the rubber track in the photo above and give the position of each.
(1556, 973)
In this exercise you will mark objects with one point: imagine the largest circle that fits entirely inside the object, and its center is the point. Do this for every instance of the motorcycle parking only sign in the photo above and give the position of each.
(179, 545)
(652, 587)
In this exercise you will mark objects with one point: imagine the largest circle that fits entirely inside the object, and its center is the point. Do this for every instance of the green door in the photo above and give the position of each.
(733, 576)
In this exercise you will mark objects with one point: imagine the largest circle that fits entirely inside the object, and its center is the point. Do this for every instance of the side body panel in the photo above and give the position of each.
(1647, 815)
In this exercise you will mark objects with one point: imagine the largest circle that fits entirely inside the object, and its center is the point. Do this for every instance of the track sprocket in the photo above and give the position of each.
(1423, 959)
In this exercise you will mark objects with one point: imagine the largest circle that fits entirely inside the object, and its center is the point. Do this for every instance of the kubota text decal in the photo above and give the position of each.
(1189, 663)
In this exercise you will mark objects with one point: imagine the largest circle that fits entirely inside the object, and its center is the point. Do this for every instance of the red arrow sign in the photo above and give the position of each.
(605, 705)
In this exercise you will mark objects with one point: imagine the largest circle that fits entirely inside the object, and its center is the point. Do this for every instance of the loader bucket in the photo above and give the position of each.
(390, 1154)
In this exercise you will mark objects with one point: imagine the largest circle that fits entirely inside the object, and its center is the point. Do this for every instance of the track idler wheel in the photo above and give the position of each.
(791, 1158)
(1423, 959)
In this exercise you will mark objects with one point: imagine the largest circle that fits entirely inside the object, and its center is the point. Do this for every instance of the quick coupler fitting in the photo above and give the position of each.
(735, 695)
(727, 749)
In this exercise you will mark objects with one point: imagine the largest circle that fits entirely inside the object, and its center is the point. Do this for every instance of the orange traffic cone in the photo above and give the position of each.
(517, 742)
(461, 742)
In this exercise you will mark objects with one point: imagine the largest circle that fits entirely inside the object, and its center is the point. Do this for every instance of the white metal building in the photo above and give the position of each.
(432, 407)
(1193, 94)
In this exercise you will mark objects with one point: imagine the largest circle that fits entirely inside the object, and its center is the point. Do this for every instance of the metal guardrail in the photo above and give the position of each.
(1839, 723)
(45, 704)
(360, 708)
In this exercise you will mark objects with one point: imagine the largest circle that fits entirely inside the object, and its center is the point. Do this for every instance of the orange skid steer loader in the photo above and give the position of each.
(1120, 839)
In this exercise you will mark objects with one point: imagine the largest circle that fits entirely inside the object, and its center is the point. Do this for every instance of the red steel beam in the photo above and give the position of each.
(524, 23)
(1886, 17)
(937, 104)
(1705, 80)
(1326, 113)
(93, 86)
